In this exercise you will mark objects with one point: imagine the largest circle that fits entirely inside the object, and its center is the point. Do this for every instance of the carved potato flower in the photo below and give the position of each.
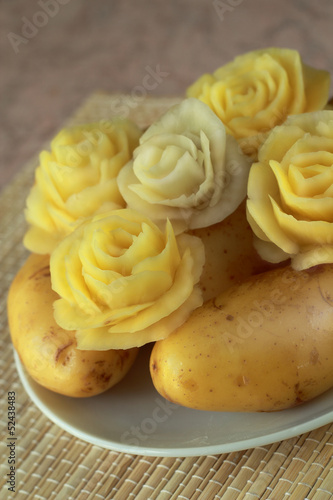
(258, 90)
(290, 192)
(186, 169)
(123, 282)
(77, 178)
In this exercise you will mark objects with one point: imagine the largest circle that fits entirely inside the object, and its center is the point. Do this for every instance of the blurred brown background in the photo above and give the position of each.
(55, 53)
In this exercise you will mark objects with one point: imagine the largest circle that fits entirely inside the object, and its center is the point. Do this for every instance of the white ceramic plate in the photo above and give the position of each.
(133, 418)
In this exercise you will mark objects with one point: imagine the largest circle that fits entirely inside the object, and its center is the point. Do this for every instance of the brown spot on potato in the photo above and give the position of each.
(123, 356)
(299, 396)
(190, 384)
(60, 350)
(44, 272)
(100, 363)
(100, 379)
(325, 295)
(87, 389)
(52, 332)
(230, 317)
(67, 359)
(154, 367)
(315, 269)
(104, 377)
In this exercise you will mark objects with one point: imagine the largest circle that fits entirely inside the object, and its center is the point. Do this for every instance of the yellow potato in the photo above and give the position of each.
(264, 345)
(49, 352)
(230, 254)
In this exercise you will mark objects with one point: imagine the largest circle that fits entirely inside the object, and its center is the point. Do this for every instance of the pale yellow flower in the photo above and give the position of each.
(186, 169)
(258, 90)
(123, 282)
(290, 192)
(77, 178)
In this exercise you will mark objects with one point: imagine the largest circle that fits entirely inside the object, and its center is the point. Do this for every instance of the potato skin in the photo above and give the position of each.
(230, 255)
(265, 345)
(49, 352)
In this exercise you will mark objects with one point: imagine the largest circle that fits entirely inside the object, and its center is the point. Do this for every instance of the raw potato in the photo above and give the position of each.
(265, 345)
(230, 254)
(47, 351)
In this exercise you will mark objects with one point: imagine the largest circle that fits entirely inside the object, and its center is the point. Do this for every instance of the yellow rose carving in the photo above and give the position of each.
(290, 192)
(258, 90)
(77, 178)
(186, 169)
(123, 282)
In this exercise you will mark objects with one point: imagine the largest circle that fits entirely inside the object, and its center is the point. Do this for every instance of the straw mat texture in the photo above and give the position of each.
(51, 464)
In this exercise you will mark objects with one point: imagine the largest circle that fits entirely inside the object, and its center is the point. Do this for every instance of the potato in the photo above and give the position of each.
(264, 345)
(230, 254)
(49, 352)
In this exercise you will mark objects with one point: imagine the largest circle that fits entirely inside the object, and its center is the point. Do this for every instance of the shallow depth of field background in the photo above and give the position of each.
(55, 53)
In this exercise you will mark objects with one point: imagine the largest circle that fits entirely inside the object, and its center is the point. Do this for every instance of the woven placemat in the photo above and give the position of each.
(50, 463)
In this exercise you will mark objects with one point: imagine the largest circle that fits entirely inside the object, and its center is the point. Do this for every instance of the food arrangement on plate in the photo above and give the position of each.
(208, 236)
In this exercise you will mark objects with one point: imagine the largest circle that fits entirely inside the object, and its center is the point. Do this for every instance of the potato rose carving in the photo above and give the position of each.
(258, 90)
(290, 192)
(123, 282)
(186, 169)
(76, 179)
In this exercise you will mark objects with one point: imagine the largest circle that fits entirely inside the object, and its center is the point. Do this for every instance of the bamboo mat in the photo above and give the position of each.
(50, 463)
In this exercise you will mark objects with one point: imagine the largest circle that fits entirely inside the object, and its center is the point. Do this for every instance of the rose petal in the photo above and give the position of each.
(102, 338)
(311, 181)
(144, 287)
(303, 231)
(259, 207)
(75, 318)
(309, 208)
(313, 257)
(181, 289)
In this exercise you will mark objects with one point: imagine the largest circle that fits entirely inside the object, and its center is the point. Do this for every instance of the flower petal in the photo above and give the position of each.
(317, 208)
